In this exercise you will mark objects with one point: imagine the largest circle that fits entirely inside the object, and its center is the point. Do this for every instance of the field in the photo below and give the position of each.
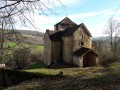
(11, 46)
(14, 45)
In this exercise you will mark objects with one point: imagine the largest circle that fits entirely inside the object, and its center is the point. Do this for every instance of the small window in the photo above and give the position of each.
(82, 36)
(81, 44)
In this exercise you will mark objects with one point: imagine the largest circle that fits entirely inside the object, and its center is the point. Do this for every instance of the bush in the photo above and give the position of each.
(61, 73)
(36, 56)
(10, 77)
(21, 57)
(106, 62)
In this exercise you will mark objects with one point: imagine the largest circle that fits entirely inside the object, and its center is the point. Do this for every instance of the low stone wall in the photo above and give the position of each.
(2, 66)
(78, 61)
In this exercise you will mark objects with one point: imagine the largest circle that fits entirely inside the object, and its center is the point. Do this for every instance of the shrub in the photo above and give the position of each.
(61, 73)
(20, 57)
(10, 77)
(107, 61)
(36, 56)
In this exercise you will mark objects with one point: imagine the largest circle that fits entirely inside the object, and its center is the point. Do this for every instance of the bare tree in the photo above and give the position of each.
(113, 31)
(3, 23)
(23, 11)
(20, 57)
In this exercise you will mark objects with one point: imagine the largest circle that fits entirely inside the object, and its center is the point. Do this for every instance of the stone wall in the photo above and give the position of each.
(62, 27)
(2, 66)
(56, 51)
(47, 49)
(78, 61)
(68, 49)
(81, 40)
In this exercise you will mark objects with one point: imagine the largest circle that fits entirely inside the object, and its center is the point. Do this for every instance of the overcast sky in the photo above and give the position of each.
(93, 13)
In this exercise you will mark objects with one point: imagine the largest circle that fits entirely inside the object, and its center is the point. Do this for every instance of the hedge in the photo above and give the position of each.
(10, 77)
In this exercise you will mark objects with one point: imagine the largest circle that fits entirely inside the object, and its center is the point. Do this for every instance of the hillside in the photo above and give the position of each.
(26, 36)
(32, 33)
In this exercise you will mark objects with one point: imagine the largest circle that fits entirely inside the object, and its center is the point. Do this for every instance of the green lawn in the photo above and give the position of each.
(9, 44)
(36, 65)
(40, 47)
(66, 71)
(40, 68)
(13, 45)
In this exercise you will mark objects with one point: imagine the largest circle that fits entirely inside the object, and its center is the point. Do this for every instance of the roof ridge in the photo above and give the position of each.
(66, 20)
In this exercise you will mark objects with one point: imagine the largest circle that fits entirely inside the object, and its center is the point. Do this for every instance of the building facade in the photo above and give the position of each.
(69, 43)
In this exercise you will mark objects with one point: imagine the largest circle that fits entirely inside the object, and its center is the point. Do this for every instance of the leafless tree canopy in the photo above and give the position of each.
(113, 31)
(12, 11)
(24, 10)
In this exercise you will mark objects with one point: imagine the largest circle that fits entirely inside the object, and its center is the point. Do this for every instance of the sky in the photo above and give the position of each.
(93, 13)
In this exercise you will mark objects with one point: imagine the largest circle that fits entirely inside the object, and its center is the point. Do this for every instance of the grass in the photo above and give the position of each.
(40, 68)
(39, 47)
(10, 44)
(91, 78)
(88, 81)
(37, 65)
(13, 45)
(66, 71)
(115, 64)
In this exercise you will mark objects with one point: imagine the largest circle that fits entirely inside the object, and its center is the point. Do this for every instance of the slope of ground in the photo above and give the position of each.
(103, 79)
(25, 36)
(92, 78)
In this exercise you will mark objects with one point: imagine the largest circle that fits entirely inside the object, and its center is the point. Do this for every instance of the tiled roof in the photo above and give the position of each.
(49, 32)
(86, 30)
(82, 51)
(66, 21)
(69, 31)
(57, 36)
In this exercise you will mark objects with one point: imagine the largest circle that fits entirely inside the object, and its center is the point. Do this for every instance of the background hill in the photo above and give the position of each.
(26, 36)
(33, 33)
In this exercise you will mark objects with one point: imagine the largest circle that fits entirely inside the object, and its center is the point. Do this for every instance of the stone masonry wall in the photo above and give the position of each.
(78, 61)
(68, 50)
(56, 51)
(47, 50)
(80, 37)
